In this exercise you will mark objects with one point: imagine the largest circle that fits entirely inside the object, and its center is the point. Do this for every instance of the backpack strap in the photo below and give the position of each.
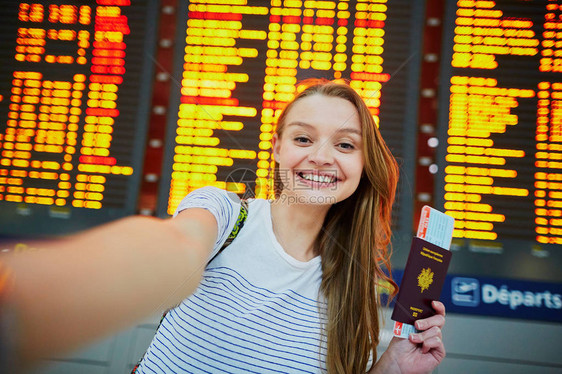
(236, 229)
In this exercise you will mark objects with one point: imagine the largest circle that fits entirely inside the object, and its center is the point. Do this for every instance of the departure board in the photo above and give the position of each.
(74, 82)
(501, 121)
(237, 66)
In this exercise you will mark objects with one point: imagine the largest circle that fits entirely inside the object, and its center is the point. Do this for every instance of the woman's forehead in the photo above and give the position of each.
(320, 109)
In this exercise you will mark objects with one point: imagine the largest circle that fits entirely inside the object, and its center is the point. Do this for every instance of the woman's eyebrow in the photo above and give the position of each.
(339, 130)
(301, 124)
(349, 130)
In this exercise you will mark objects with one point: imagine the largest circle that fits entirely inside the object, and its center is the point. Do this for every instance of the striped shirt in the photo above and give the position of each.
(257, 309)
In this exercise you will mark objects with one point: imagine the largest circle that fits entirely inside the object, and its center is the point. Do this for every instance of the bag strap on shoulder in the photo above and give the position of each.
(236, 229)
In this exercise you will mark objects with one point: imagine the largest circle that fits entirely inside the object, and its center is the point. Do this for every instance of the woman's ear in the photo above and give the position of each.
(275, 145)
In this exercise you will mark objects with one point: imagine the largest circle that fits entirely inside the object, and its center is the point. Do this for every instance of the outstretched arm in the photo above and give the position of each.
(92, 284)
(421, 352)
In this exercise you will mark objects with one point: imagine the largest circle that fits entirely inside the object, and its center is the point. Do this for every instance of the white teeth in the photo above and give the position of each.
(319, 178)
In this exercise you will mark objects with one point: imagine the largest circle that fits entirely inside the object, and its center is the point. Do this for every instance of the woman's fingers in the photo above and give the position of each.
(433, 343)
(432, 332)
(426, 335)
(439, 307)
(436, 320)
(429, 339)
(427, 323)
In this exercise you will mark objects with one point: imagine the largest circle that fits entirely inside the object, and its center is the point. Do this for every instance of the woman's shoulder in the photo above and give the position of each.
(214, 192)
(257, 202)
(211, 190)
(217, 196)
(209, 196)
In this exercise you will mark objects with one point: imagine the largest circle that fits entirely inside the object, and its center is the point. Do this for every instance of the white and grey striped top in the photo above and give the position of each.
(257, 309)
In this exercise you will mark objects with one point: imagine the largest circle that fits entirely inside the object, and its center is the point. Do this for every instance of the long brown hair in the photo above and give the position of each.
(354, 242)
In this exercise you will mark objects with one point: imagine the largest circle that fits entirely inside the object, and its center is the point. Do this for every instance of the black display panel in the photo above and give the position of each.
(501, 137)
(74, 96)
(237, 65)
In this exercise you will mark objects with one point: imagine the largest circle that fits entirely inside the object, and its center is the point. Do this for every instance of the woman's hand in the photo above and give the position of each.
(421, 352)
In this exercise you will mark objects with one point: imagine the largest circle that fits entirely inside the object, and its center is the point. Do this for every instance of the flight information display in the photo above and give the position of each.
(501, 115)
(74, 83)
(238, 63)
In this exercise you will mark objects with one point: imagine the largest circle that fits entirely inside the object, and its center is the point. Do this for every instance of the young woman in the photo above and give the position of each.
(296, 291)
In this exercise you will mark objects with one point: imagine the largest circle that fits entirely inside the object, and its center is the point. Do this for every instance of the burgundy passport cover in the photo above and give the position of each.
(422, 282)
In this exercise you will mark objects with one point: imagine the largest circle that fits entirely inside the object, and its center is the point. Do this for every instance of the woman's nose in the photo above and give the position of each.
(321, 154)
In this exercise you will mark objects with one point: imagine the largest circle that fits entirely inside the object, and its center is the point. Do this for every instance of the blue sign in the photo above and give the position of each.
(465, 291)
(501, 297)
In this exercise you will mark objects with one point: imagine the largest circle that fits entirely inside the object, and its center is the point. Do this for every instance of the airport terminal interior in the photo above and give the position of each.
(114, 108)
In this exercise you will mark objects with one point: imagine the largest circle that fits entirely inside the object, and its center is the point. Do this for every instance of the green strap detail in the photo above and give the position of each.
(239, 222)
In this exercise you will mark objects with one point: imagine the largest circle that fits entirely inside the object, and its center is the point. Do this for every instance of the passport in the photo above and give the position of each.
(424, 276)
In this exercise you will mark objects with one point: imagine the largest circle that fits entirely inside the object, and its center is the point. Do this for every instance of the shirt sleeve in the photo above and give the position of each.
(225, 206)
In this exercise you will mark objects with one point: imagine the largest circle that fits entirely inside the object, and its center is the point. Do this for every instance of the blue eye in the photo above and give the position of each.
(301, 139)
(346, 146)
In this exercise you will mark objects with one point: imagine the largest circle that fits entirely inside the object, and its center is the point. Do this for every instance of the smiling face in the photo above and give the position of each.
(319, 151)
